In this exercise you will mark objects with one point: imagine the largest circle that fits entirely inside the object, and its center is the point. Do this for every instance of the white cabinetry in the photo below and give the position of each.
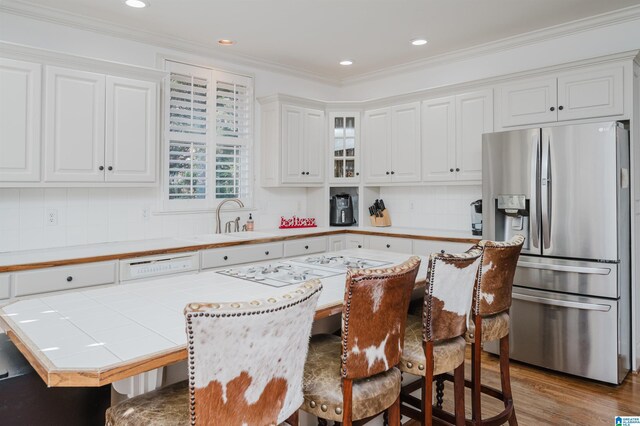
(220, 257)
(336, 242)
(20, 104)
(344, 147)
(394, 244)
(64, 278)
(5, 289)
(99, 128)
(427, 247)
(354, 241)
(293, 143)
(392, 144)
(452, 129)
(305, 246)
(594, 92)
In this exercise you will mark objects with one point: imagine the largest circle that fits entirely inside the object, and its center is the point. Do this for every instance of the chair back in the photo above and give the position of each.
(246, 359)
(374, 316)
(448, 295)
(495, 280)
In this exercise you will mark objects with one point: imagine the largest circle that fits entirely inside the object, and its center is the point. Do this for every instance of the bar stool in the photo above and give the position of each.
(246, 361)
(353, 376)
(490, 314)
(434, 344)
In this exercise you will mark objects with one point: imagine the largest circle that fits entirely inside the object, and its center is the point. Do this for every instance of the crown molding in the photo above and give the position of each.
(532, 37)
(70, 19)
(100, 26)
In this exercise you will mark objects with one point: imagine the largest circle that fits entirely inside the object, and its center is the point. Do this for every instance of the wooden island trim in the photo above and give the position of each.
(196, 247)
(56, 377)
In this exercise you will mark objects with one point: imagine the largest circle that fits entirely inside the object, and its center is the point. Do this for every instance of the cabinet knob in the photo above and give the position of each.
(552, 109)
(560, 108)
(226, 258)
(302, 173)
(357, 173)
(307, 173)
(388, 245)
(451, 170)
(359, 245)
(267, 252)
(457, 169)
(393, 173)
(306, 247)
(387, 172)
(101, 168)
(109, 168)
(69, 278)
(442, 251)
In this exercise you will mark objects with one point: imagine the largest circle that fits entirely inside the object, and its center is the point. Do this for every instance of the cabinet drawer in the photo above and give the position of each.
(4, 286)
(217, 258)
(397, 245)
(63, 278)
(426, 247)
(354, 241)
(305, 246)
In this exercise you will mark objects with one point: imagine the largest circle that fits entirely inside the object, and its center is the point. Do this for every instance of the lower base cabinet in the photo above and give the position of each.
(393, 244)
(426, 247)
(64, 278)
(221, 257)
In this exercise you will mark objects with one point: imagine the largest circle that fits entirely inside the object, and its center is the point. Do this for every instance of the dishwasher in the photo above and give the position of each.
(26, 400)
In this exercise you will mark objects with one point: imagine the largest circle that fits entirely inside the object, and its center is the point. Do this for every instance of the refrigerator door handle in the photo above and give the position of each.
(562, 303)
(565, 268)
(534, 232)
(545, 190)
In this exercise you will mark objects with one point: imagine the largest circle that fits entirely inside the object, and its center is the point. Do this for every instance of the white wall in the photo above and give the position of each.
(103, 215)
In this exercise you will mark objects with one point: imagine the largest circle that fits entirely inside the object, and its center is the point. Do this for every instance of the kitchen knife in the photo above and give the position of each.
(382, 207)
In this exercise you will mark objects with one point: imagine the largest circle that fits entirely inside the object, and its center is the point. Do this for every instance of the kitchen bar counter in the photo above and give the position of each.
(59, 256)
(96, 337)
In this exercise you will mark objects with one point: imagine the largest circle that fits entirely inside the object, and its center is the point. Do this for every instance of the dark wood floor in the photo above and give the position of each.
(544, 397)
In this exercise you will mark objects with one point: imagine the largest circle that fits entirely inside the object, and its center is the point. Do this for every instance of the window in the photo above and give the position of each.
(209, 137)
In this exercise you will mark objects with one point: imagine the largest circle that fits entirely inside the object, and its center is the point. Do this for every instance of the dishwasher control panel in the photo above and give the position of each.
(154, 266)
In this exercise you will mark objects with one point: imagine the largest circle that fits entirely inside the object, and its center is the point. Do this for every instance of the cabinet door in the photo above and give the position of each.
(336, 243)
(20, 104)
(74, 126)
(394, 244)
(344, 147)
(130, 145)
(438, 139)
(474, 116)
(529, 102)
(292, 144)
(377, 146)
(405, 143)
(314, 146)
(354, 241)
(593, 93)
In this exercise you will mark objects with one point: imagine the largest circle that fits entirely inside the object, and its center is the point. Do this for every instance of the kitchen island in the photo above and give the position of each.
(99, 336)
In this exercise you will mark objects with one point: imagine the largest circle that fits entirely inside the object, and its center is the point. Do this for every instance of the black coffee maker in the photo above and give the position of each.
(341, 213)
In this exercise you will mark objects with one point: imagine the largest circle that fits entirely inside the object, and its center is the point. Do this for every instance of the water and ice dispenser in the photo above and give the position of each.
(512, 218)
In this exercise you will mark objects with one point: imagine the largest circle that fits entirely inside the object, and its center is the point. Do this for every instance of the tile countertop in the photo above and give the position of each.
(32, 259)
(95, 337)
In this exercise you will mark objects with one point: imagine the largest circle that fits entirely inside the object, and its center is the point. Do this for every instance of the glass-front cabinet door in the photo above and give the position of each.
(345, 147)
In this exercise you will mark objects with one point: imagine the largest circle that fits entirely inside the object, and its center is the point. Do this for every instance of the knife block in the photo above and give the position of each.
(385, 220)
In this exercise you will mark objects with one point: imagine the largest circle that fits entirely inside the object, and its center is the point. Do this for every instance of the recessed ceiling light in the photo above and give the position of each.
(138, 4)
(418, 42)
(346, 62)
(226, 42)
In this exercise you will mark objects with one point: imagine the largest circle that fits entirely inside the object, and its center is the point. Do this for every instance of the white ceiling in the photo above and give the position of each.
(311, 36)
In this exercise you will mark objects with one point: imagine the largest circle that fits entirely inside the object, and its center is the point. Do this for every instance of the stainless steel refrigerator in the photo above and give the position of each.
(566, 189)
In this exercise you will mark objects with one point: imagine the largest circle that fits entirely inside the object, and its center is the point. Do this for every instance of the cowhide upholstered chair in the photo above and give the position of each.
(490, 313)
(434, 343)
(353, 377)
(246, 361)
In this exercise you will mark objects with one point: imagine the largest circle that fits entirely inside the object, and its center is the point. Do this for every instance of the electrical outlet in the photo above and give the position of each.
(52, 217)
(146, 213)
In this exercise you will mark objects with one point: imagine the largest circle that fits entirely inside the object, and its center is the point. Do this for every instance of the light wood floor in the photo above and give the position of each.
(544, 397)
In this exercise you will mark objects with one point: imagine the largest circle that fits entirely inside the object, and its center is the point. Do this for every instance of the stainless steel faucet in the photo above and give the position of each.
(237, 201)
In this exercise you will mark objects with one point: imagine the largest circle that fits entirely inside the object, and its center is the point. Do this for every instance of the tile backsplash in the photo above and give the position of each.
(432, 207)
(98, 215)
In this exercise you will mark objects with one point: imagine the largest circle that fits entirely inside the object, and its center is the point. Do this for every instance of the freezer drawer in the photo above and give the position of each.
(568, 276)
(572, 334)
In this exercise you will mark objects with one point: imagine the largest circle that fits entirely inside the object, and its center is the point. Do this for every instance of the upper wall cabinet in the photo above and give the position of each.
(452, 129)
(292, 143)
(99, 128)
(594, 92)
(20, 105)
(391, 144)
(344, 147)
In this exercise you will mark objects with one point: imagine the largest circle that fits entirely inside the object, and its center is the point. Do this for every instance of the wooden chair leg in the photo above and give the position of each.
(458, 392)
(476, 384)
(427, 386)
(293, 419)
(394, 413)
(505, 379)
(347, 402)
